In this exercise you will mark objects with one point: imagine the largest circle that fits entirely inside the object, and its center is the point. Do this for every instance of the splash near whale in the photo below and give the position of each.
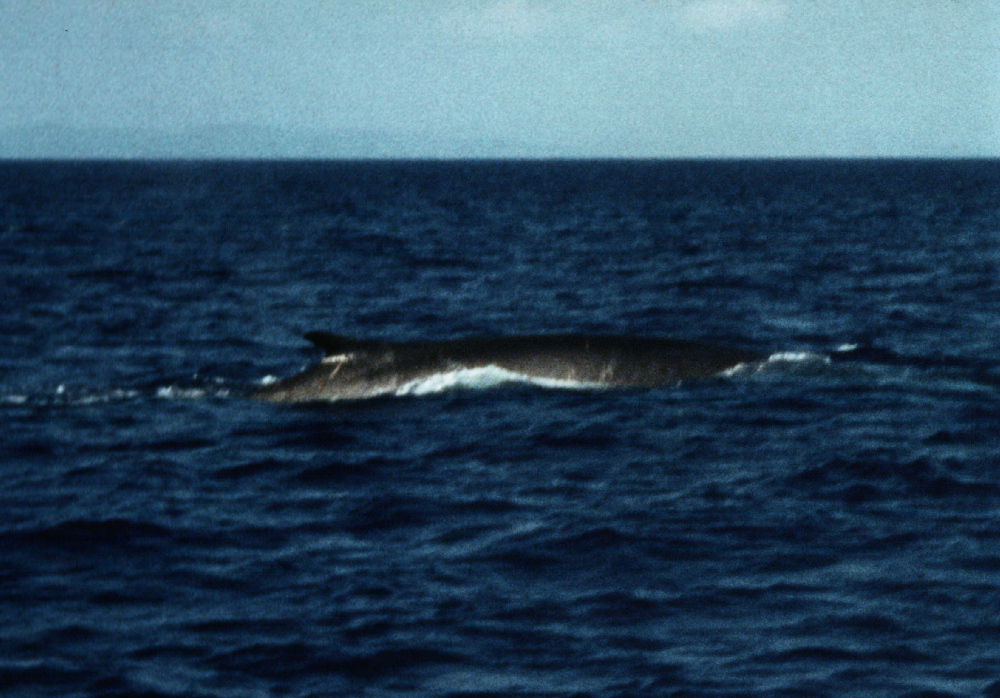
(353, 369)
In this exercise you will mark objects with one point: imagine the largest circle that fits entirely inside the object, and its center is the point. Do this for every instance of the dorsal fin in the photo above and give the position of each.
(335, 344)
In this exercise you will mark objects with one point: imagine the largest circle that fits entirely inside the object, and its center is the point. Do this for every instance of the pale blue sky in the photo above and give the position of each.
(535, 78)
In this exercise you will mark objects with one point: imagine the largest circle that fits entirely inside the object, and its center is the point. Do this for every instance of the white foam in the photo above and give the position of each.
(61, 395)
(797, 357)
(483, 377)
(784, 363)
(736, 370)
(173, 392)
(118, 395)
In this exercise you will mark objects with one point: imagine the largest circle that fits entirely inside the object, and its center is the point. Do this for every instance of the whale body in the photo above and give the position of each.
(355, 368)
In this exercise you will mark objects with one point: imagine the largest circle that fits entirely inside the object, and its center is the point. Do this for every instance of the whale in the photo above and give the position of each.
(354, 369)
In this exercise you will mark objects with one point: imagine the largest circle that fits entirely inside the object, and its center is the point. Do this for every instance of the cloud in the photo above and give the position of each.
(731, 15)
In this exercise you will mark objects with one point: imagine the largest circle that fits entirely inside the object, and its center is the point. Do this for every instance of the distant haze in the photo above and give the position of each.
(499, 78)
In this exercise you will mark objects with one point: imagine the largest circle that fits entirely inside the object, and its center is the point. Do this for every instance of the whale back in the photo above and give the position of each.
(357, 368)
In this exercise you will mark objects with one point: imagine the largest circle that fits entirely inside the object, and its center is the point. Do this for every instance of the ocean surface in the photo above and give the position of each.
(825, 524)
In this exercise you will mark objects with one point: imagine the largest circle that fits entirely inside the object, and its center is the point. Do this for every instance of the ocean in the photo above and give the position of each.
(824, 524)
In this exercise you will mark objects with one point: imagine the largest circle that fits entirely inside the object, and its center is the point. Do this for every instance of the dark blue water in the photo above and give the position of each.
(828, 525)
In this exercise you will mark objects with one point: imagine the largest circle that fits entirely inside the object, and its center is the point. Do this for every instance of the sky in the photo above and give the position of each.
(500, 78)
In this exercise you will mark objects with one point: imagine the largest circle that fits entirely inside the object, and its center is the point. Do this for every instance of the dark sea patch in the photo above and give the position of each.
(819, 523)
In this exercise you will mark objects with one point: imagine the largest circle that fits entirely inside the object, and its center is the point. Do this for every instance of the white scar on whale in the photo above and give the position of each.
(354, 369)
